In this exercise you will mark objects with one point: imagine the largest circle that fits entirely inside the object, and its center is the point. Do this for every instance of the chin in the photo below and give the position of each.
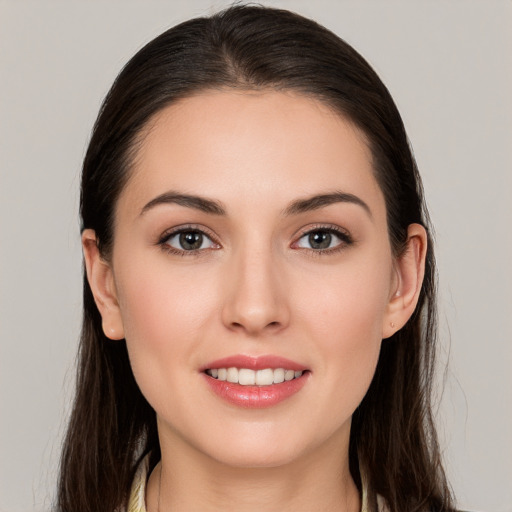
(256, 458)
(265, 446)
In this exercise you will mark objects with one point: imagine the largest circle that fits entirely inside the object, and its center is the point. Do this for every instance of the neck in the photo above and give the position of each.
(193, 481)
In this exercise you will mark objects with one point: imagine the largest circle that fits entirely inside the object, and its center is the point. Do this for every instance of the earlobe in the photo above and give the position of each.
(410, 270)
(101, 281)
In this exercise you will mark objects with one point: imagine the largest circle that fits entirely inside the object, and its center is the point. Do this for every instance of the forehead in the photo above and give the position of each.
(250, 148)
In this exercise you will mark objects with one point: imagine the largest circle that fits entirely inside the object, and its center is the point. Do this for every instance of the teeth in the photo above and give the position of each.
(265, 377)
(247, 377)
(278, 376)
(289, 375)
(232, 375)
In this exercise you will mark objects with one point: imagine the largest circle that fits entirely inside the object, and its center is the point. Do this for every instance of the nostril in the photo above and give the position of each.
(270, 326)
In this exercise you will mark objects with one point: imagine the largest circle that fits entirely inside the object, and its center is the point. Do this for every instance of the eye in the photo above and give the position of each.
(188, 240)
(323, 239)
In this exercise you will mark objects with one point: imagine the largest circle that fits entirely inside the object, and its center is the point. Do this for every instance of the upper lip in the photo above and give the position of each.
(255, 363)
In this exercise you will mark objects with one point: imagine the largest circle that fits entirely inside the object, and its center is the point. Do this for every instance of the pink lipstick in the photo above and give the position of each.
(255, 382)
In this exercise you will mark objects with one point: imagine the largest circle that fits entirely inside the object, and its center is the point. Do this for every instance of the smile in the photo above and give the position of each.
(255, 382)
(248, 377)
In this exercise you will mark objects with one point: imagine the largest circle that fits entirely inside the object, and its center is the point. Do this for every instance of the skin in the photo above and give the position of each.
(258, 287)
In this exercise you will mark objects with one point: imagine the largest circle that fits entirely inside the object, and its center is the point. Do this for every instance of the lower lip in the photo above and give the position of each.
(256, 397)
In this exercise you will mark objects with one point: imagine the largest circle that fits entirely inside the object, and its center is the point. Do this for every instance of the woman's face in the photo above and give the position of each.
(252, 228)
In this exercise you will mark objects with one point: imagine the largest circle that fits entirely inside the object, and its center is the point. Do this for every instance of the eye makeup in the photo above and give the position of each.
(193, 239)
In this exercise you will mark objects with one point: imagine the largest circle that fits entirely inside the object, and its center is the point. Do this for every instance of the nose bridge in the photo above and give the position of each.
(255, 299)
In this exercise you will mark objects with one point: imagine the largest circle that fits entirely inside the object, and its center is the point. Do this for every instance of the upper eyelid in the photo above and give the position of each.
(214, 238)
(346, 239)
(187, 227)
(319, 227)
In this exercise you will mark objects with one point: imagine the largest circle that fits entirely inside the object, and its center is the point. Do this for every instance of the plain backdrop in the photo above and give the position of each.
(448, 65)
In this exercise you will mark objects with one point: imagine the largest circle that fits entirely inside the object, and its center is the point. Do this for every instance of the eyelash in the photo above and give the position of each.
(165, 237)
(344, 237)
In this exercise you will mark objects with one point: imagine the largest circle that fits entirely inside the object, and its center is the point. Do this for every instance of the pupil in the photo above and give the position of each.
(320, 239)
(191, 240)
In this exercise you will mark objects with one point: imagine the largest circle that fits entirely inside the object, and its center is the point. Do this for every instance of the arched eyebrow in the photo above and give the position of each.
(189, 201)
(213, 207)
(320, 201)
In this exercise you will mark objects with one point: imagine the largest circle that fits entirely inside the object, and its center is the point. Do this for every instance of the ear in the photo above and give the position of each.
(406, 287)
(101, 281)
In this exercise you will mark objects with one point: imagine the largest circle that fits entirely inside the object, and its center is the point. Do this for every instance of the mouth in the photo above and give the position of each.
(249, 377)
(255, 382)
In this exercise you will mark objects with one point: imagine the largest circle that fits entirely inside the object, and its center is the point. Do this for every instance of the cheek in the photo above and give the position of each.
(164, 313)
(345, 320)
(350, 335)
(159, 303)
(349, 302)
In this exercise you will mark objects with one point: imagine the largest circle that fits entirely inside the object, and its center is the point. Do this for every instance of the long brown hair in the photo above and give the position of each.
(112, 426)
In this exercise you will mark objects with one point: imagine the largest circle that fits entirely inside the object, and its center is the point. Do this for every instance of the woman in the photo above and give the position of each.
(259, 298)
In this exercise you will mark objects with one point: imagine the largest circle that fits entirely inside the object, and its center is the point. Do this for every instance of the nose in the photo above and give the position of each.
(255, 300)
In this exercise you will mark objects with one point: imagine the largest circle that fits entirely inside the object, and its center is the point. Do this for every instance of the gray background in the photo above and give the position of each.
(448, 65)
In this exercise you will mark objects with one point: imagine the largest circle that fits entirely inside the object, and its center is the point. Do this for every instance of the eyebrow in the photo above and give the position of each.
(298, 206)
(320, 201)
(189, 201)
